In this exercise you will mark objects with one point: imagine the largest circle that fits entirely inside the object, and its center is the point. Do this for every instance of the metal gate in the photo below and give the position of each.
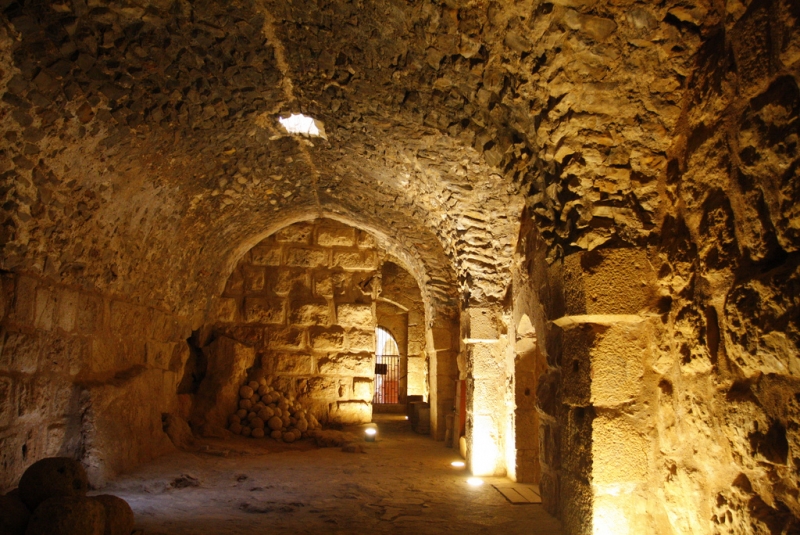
(387, 368)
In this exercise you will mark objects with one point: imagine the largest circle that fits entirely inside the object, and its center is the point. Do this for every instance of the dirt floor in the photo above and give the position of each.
(403, 483)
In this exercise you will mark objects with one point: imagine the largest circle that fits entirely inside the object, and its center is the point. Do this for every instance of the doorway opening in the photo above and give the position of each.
(387, 368)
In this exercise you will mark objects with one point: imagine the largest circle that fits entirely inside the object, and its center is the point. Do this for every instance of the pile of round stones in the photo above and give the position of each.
(264, 411)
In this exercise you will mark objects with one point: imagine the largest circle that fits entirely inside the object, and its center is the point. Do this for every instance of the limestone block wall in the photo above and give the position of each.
(303, 299)
(83, 375)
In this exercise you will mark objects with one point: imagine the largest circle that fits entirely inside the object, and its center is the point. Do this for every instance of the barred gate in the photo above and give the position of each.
(387, 368)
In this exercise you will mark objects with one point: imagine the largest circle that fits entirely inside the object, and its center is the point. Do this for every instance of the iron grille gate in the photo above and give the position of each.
(387, 379)
(387, 368)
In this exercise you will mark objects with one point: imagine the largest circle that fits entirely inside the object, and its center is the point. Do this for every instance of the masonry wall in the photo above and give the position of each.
(303, 299)
(83, 375)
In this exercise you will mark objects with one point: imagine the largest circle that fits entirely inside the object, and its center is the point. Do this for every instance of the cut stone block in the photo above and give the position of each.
(307, 258)
(227, 309)
(358, 316)
(603, 365)
(253, 278)
(442, 338)
(292, 364)
(483, 323)
(266, 255)
(358, 364)
(351, 412)
(310, 314)
(288, 280)
(363, 388)
(326, 338)
(260, 310)
(355, 260)
(285, 338)
(619, 451)
(68, 310)
(297, 233)
(358, 340)
(486, 360)
(366, 240)
(336, 236)
(608, 281)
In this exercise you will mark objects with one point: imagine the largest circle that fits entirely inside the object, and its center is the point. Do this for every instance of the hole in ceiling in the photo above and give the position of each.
(297, 123)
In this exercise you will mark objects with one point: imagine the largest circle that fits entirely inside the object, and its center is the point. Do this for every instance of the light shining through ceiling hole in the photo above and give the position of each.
(297, 123)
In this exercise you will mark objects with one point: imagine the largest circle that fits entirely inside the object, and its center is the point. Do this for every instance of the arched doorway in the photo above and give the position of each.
(387, 368)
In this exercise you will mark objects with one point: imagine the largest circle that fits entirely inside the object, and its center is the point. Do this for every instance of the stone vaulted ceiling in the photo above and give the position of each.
(141, 148)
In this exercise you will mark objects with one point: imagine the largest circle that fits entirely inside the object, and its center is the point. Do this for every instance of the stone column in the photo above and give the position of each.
(443, 372)
(486, 391)
(607, 339)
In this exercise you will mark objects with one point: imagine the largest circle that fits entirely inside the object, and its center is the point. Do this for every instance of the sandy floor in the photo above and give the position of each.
(402, 484)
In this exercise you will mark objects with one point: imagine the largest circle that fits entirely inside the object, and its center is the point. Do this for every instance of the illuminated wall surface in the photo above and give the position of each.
(588, 212)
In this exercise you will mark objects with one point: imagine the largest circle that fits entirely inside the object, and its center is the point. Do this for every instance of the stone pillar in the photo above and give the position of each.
(607, 341)
(443, 372)
(486, 392)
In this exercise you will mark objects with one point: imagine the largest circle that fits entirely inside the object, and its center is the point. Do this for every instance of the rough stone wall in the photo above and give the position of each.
(728, 269)
(399, 286)
(303, 298)
(83, 375)
(129, 129)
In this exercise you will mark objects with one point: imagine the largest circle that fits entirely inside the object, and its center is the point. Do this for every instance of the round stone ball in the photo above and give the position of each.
(276, 434)
(236, 428)
(263, 390)
(68, 515)
(254, 385)
(275, 423)
(288, 436)
(246, 431)
(119, 515)
(245, 392)
(265, 414)
(14, 515)
(257, 423)
(234, 419)
(258, 432)
(241, 413)
(245, 404)
(52, 477)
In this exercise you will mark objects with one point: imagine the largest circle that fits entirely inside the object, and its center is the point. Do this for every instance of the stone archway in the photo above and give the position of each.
(304, 299)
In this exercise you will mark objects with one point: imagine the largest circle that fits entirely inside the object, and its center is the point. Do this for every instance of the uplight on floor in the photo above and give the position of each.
(457, 464)
(474, 482)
